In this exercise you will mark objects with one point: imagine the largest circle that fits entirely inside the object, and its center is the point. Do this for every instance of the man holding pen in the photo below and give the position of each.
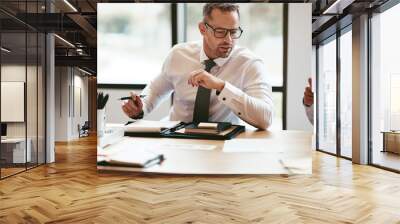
(212, 80)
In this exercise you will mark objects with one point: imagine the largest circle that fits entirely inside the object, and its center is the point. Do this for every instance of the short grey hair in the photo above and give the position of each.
(224, 7)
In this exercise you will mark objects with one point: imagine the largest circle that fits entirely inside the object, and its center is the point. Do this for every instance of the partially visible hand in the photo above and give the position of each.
(206, 80)
(133, 107)
(308, 98)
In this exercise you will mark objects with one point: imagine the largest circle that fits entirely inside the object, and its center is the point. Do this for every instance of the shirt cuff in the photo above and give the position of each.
(145, 110)
(229, 93)
(305, 104)
(232, 97)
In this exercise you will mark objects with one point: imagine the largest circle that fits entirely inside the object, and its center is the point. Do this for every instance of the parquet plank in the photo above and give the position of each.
(72, 191)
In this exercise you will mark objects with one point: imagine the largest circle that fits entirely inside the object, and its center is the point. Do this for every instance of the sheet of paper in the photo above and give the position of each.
(125, 152)
(187, 146)
(208, 125)
(149, 126)
(112, 134)
(251, 145)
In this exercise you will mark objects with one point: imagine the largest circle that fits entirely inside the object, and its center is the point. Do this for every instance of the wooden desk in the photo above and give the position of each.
(391, 141)
(286, 152)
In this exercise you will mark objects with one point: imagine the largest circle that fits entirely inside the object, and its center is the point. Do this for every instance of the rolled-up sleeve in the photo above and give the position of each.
(253, 102)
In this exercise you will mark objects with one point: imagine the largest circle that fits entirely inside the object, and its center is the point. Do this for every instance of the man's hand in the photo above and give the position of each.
(133, 107)
(308, 98)
(206, 80)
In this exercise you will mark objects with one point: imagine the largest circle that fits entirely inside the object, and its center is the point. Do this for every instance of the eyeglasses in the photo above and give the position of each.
(221, 32)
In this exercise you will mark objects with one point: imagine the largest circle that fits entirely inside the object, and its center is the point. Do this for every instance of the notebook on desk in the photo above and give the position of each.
(206, 130)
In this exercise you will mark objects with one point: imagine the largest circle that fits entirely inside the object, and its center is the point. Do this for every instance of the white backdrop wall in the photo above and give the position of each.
(71, 102)
(299, 65)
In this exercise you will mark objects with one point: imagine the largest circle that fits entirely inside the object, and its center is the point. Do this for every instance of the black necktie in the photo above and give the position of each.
(202, 103)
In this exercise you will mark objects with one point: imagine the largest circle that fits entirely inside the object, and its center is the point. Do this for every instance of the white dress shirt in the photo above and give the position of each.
(247, 94)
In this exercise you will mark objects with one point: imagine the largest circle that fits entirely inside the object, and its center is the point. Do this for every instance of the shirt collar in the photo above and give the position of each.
(219, 61)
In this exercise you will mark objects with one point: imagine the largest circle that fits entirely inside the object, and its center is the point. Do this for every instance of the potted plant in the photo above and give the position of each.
(101, 112)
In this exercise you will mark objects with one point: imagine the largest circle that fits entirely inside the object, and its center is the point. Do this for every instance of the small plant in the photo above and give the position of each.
(101, 100)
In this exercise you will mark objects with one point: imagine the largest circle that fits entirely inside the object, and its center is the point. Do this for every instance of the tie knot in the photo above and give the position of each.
(209, 64)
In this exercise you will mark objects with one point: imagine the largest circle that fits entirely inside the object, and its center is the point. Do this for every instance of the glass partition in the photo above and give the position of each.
(13, 94)
(22, 64)
(327, 96)
(385, 89)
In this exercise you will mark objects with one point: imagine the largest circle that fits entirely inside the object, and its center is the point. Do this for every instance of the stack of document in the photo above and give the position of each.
(146, 126)
(125, 153)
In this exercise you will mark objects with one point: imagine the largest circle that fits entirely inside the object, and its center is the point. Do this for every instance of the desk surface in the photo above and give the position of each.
(286, 152)
(13, 140)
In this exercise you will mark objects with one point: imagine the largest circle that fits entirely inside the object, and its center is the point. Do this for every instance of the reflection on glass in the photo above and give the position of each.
(131, 50)
(13, 84)
(385, 84)
(346, 93)
(22, 92)
(327, 97)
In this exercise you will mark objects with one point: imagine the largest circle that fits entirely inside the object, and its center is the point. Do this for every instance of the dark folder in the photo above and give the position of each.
(178, 132)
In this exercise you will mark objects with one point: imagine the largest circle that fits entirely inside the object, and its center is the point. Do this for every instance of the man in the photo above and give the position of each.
(308, 101)
(212, 80)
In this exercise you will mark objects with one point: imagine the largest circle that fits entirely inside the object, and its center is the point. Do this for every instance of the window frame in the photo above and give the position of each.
(27, 29)
(336, 36)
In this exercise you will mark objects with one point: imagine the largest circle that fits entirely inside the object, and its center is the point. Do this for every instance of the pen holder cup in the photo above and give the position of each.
(101, 122)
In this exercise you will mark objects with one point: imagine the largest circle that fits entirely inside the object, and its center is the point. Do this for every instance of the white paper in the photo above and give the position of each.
(208, 125)
(112, 134)
(128, 152)
(187, 146)
(149, 126)
(251, 145)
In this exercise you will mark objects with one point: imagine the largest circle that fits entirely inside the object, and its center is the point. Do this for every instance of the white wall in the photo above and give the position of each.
(299, 65)
(61, 104)
(114, 113)
(81, 104)
(69, 84)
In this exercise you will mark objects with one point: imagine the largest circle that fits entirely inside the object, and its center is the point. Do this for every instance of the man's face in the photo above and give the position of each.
(219, 47)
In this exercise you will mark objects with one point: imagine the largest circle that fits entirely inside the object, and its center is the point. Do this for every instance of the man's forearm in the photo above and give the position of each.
(256, 111)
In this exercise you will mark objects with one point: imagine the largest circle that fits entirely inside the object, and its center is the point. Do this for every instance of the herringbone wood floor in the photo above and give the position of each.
(71, 191)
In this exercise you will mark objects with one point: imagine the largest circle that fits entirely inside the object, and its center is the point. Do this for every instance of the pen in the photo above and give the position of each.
(129, 97)
(157, 160)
